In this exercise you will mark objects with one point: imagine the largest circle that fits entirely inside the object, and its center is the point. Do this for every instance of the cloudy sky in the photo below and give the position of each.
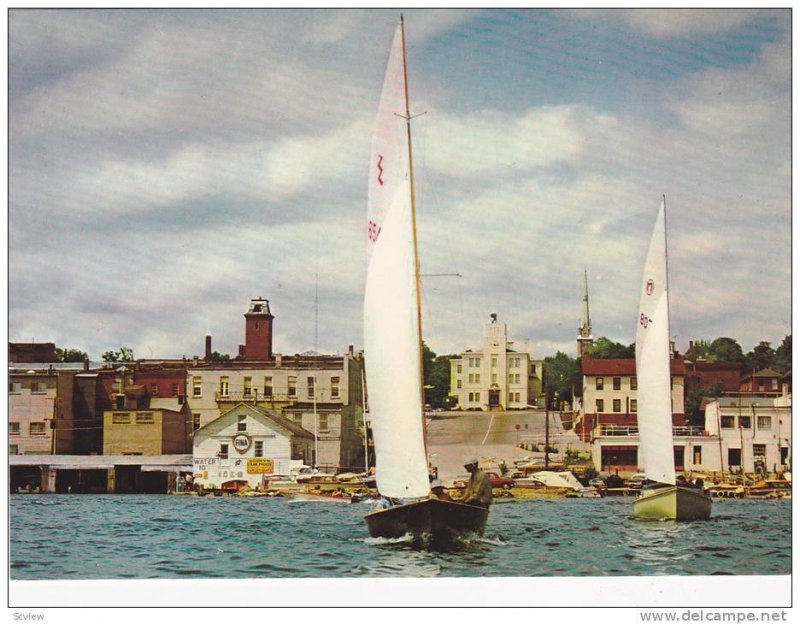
(166, 166)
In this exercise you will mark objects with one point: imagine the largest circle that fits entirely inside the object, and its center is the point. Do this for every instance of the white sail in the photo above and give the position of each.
(391, 325)
(653, 362)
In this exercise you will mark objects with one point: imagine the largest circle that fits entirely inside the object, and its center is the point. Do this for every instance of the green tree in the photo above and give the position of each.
(71, 355)
(726, 350)
(694, 397)
(436, 376)
(561, 374)
(783, 355)
(762, 356)
(604, 348)
(220, 357)
(124, 354)
(700, 349)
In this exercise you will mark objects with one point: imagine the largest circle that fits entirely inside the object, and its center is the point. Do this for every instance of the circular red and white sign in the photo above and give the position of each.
(241, 443)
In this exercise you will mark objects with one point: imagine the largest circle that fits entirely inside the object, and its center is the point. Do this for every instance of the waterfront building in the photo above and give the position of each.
(496, 377)
(32, 352)
(31, 409)
(321, 393)
(609, 393)
(147, 428)
(741, 433)
(246, 445)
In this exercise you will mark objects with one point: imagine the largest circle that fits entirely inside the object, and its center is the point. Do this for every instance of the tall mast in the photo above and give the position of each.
(666, 272)
(414, 230)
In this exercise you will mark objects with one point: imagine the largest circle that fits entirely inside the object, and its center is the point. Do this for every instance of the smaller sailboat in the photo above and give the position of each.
(664, 498)
(393, 336)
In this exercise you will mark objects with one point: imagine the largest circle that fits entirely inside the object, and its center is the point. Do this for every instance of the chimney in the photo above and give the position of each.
(208, 347)
(350, 349)
(86, 364)
(258, 330)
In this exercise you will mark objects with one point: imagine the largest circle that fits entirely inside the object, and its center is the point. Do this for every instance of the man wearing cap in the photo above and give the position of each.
(479, 489)
(437, 491)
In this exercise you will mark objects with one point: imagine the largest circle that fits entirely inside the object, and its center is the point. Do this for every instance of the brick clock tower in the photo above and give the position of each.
(258, 331)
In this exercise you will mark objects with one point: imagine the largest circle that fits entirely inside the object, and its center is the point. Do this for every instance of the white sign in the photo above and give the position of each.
(241, 443)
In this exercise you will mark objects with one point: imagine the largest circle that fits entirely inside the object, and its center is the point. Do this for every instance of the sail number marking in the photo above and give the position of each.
(644, 321)
(380, 169)
(373, 231)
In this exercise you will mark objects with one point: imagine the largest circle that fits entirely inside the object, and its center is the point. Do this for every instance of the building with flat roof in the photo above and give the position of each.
(496, 377)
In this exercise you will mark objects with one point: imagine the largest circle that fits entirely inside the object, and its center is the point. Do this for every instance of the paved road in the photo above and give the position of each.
(455, 436)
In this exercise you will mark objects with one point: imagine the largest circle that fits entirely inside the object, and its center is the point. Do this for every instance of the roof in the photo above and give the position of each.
(706, 365)
(267, 415)
(764, 372)
(88, 462)
(623, 366)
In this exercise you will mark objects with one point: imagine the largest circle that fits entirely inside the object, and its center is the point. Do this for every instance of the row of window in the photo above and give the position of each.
(475, 362)
(35, 428)
(249, 390)
(154, 389)
(599, 405)
(37, 387)
(258, 449)
(745, 422)
(124, 418)
(475, 378)
(616, 383)
(475, 397)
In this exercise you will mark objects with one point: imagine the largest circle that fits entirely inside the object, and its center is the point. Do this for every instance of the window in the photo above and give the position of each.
(727, 422)
(334, 387)
(634, 405)
(310, 385)
(259, 448)
(39, 387)
(617, 383)
(765, 422)
(477, 378)
(119, 401)
(774, 384)
(174, 389)
(13, 449)
(267, 386)
(15, 388)
(223, 451)
(197, 389)
(494, 378)
(292, 386)
(471, 378)
(697, 455)
(477, 397)
(154, 389)
(145, 418)
(248, 386)
(458, 383)
(516, 378)
(598, 383)
(298, 419)
(13, 428)
(224, 386)
(458, 368)
(323, 422)
(195, 422)
(745, 422)
(759, 450)
(617, 405)
(734, 457)
(242, 424)
(634, 383)
(120, 418)
(598, 405)
(533, 369)
(494, 361)
(37, 428)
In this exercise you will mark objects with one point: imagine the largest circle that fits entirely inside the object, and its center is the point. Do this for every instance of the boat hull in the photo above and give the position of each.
(671, 502)
(429, 522)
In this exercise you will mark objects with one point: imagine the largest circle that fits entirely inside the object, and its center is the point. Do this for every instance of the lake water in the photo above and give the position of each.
(62, 537)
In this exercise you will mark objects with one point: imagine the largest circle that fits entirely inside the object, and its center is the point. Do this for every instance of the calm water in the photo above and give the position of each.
(117, 537)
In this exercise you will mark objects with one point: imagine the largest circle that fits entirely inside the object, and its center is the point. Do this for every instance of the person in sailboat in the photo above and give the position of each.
(479, 488)
(437, 491)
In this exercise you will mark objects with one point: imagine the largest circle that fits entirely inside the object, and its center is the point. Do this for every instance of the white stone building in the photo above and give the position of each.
(496, 376)
(248, 444)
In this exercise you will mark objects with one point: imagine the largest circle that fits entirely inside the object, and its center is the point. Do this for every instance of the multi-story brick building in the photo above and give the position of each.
(31, 410)
(496, 376)
(609, 394)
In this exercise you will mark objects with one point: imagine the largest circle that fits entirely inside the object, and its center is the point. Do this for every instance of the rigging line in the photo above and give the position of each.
(488, 429)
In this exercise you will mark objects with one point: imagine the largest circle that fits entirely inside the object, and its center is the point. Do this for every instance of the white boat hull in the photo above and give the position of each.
(670, 502)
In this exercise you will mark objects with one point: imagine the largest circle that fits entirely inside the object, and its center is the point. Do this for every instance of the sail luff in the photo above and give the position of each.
(654, 392)
(391, 308)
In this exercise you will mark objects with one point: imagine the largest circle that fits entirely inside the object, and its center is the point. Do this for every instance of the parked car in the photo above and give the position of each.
(637, 481)
(499, 481)
(598, 483)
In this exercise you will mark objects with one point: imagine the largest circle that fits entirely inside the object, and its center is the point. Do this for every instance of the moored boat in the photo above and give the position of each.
(663, 499)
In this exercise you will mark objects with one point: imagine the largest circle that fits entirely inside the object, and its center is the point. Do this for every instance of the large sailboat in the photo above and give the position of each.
(664, 499)
(393, 334)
